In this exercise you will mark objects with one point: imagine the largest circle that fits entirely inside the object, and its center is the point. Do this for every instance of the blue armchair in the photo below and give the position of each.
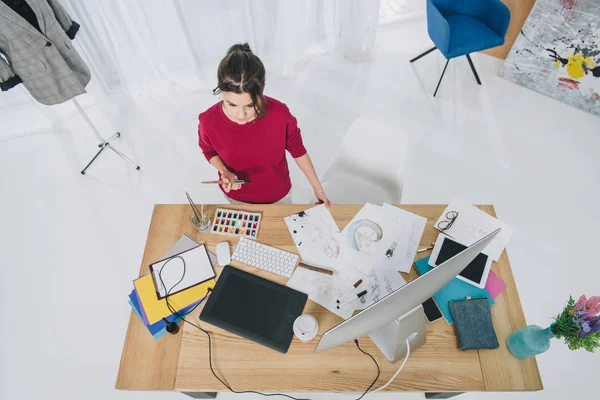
(460, 27)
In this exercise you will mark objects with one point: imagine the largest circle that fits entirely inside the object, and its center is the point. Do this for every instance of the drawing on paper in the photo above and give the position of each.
(477, 232)
(316, 235)
(411, 244)
(374, 289)
(363, 235)
(473, 224)
(389, 253)
(322, 289)
(406, 230)
(326, 287)
(382, 281)
(319, 233)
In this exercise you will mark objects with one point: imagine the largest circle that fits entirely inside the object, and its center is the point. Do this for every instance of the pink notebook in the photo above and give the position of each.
(494, 285)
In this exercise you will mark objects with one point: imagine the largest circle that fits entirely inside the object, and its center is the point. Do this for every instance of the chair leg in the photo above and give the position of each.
(441, 77)
(423, 54)
(473, 69)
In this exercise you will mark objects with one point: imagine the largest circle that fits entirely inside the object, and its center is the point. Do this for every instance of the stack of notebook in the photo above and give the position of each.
(184, 274)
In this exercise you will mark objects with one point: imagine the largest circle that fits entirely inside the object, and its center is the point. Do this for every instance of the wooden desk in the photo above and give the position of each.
(180, 362)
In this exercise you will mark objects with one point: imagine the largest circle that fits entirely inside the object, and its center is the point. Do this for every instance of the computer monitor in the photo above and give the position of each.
(399, 316)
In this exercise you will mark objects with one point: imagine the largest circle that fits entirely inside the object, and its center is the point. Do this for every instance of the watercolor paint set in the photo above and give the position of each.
(236, 223)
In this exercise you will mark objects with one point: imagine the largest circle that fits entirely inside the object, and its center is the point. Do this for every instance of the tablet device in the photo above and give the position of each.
(476, 273)
(254, 308)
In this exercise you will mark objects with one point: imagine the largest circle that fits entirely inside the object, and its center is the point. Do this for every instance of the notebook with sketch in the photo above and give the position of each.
(182, 271)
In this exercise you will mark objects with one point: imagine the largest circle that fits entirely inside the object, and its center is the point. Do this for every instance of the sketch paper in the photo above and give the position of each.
(323, 289)
(472, 224)
(365, 240)
(382, 281)
(409, 229)
(316, 235)
(374, 246)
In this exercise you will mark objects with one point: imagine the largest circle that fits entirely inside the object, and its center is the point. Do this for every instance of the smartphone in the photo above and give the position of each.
(432, 311)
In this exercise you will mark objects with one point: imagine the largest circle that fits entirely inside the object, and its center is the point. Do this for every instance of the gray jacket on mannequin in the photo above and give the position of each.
(46, 62)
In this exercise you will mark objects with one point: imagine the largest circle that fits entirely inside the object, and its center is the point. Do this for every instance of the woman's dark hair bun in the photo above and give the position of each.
(241, 71)
(245, 47)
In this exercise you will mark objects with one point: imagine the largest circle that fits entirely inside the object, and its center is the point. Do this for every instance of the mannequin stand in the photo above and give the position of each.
(104, 144)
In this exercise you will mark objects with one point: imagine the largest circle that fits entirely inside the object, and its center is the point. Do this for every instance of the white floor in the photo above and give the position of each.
(71, 244)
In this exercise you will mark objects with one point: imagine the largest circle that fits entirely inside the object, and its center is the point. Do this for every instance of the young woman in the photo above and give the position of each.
(246, 134)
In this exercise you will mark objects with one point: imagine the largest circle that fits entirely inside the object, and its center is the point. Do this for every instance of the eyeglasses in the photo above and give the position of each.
(446, 224)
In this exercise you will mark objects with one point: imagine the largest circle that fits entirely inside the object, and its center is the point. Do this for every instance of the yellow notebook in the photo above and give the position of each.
(156, 309)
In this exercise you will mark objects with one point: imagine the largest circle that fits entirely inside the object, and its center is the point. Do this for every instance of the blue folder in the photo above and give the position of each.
(455, 290)
(159, 328)
(137, 312)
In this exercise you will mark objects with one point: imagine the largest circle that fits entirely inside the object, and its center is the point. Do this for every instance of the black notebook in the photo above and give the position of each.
(254, 308)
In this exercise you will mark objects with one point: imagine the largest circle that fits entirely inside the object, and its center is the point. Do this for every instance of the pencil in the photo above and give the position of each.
(238, 181)
(316, 269)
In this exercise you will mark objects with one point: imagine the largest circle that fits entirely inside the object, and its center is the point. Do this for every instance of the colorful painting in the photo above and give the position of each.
(558, 53)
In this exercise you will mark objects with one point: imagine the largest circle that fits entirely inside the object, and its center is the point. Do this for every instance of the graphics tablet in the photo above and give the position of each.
(254, 308)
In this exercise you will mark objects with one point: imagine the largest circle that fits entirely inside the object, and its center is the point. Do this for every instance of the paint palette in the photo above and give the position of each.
(236, 223)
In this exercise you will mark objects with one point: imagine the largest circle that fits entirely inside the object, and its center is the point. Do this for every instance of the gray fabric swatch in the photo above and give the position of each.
(473, 323)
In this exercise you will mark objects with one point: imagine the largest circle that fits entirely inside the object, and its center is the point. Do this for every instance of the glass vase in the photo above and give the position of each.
(530, 341)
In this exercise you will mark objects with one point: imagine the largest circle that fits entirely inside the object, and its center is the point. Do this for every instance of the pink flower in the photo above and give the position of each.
(592, 305)
(579, 306)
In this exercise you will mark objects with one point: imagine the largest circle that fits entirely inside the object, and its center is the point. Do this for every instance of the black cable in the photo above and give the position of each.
(172, 310)
(377, 365)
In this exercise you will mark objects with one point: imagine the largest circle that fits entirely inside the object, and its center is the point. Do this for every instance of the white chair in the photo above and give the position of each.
(369, 166)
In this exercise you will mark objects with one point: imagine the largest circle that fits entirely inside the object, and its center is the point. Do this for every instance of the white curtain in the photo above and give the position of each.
(143, 46)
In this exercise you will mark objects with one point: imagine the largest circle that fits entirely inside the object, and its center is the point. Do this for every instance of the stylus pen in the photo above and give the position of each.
(424, 249)
(238, 181)
(358, 296)
(349, 292)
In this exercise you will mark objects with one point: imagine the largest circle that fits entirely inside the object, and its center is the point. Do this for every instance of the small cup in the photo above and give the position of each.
(203, 225)
(306, 327)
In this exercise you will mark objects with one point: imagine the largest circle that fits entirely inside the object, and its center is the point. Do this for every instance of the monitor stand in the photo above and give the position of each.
(391, 338)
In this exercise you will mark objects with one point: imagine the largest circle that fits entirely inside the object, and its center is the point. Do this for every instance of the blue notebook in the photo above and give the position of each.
(158, 329)
(455, 290)
(137, 312)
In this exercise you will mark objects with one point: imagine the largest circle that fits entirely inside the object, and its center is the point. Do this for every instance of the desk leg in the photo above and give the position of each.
(201, 395)
(442, 395)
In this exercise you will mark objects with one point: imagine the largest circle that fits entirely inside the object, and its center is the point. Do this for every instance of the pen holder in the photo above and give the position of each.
(203, 225)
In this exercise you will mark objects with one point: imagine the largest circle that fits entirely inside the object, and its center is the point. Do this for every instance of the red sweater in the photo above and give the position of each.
(254, 151)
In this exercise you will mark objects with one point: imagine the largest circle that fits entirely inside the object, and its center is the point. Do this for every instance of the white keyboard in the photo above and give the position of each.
(265, 257)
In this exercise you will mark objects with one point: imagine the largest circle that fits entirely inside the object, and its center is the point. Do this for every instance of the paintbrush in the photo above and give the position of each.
(193, 207)
(237, 181)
